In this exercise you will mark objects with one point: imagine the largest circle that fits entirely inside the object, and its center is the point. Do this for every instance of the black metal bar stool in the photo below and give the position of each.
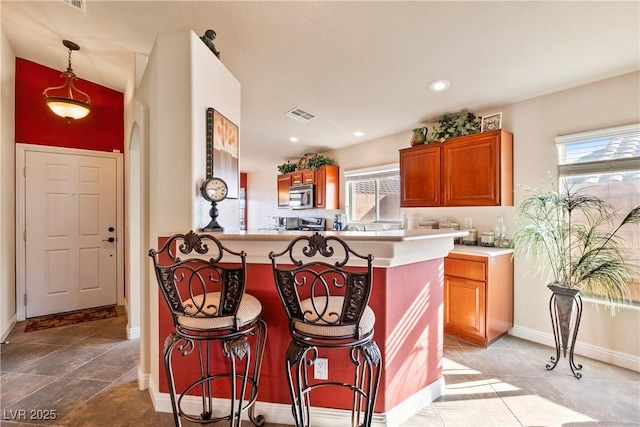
(327, 307)
(205, 294)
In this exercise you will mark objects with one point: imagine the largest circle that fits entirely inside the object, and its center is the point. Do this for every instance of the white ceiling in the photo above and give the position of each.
(358, 66)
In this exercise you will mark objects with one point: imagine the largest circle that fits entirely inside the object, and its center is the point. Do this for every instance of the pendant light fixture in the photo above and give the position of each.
(62, 100)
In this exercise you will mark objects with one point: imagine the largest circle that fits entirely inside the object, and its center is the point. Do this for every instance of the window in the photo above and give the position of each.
(373, 194)
(607, 163)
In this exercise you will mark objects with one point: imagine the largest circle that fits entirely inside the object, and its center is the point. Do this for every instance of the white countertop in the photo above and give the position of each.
(350, 236)
(390, 248)
(480, 250)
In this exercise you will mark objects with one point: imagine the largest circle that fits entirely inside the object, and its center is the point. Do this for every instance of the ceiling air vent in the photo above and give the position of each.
(300, 115)
(78, 4)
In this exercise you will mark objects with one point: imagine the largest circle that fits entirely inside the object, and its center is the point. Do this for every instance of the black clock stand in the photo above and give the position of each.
(213, 224)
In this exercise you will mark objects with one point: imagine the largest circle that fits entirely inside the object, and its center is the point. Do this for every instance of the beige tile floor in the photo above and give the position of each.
(87, 373)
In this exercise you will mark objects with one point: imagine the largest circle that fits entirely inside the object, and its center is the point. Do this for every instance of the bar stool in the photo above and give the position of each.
(327, 307)
(208, 304)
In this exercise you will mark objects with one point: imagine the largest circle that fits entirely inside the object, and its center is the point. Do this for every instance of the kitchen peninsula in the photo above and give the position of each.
(407, 299)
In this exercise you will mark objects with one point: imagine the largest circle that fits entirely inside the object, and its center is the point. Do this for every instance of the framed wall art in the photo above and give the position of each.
(491, 122)
(223, 148)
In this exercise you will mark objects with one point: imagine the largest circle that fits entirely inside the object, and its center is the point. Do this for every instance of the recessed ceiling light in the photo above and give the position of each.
(439, 85)
(293, 139)
(358, 133)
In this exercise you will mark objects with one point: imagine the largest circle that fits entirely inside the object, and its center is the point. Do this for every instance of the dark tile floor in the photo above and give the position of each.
(86, 373)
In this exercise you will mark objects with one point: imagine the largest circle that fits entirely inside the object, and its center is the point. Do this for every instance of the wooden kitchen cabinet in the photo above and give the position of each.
(284, 182)
(295, 177)
(326, 180)
(478, 297)
(308, 177)
(420, 176)
(327, 189)
(305, 176)
(479, 170)
(473, 170)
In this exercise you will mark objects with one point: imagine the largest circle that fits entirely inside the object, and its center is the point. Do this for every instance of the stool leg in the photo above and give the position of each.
(169, 344)
(296, 367)
(261, 340)
(234, 349)
(366, 382)
(204, 353)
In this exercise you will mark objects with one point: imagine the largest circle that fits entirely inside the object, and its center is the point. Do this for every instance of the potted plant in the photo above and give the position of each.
(287, 167)
(465, 123)
(573, 238)
(319, 160)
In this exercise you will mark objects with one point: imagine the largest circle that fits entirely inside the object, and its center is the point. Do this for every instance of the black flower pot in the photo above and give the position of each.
(565, 308)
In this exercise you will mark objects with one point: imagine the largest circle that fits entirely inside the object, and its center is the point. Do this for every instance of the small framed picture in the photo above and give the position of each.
(491, 122)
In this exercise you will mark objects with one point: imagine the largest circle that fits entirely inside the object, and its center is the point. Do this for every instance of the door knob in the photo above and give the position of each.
(110, 240)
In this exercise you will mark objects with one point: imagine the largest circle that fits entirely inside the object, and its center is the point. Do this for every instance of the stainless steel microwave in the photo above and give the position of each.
(301, 196)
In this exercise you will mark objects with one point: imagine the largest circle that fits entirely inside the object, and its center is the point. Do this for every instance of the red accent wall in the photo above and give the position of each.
(101, 130)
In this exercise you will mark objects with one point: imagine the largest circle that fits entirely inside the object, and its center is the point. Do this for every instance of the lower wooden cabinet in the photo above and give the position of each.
(478, 297)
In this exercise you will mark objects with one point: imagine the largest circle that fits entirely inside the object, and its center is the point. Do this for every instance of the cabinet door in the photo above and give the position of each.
(308, 176)
(327, 180)
(284, 182)
(420, 176)
(296, 178)
(472, 170)
(464, 302)
(320, 189)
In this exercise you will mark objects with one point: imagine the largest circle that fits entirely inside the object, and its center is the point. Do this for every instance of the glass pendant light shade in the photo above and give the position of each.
(68, 108)
(61, 99)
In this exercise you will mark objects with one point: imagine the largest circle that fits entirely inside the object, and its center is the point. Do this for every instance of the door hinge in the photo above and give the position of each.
(24, 171)
(24, 235)
(25, 299)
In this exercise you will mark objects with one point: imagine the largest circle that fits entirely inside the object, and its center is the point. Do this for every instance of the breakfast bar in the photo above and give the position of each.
(407, 300)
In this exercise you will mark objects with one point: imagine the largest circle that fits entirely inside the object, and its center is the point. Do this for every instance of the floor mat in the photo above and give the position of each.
(69, 318)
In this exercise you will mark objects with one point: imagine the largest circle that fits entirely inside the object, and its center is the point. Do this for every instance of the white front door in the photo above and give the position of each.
(71, 252)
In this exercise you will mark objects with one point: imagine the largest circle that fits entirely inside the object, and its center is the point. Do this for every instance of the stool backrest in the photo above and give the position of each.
(305, 275)
(204, 284)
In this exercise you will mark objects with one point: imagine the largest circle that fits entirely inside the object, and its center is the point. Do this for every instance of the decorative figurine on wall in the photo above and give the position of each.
(208, 38)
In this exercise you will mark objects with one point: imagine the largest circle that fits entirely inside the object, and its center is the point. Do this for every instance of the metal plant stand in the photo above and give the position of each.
(565, 308)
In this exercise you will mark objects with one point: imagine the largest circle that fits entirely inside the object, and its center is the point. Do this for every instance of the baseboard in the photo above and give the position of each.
(411, 406)
(602, 354)
(133, 333)
(9, 328)
(280, 413)
(143, 379)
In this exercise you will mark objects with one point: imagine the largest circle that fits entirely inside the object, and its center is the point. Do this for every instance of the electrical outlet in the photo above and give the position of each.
(321, 369)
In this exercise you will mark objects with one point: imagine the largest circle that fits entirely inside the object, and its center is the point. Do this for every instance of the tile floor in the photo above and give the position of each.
(87, 373)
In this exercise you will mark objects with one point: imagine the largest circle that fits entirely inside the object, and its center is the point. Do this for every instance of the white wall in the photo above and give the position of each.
(535, 123)
(182, 78)
(212, 86)
(7, 184)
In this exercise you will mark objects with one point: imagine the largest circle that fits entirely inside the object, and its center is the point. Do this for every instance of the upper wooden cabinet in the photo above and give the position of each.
(420, 176)
(473, 170)
(284, 182)
(305, 176)
(326, 180)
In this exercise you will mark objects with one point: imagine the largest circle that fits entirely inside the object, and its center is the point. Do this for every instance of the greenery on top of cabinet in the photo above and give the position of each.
(465, 123)
(306, 162)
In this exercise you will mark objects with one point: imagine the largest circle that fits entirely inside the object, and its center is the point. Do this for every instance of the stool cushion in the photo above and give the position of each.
(323, 327)
(249, 310)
